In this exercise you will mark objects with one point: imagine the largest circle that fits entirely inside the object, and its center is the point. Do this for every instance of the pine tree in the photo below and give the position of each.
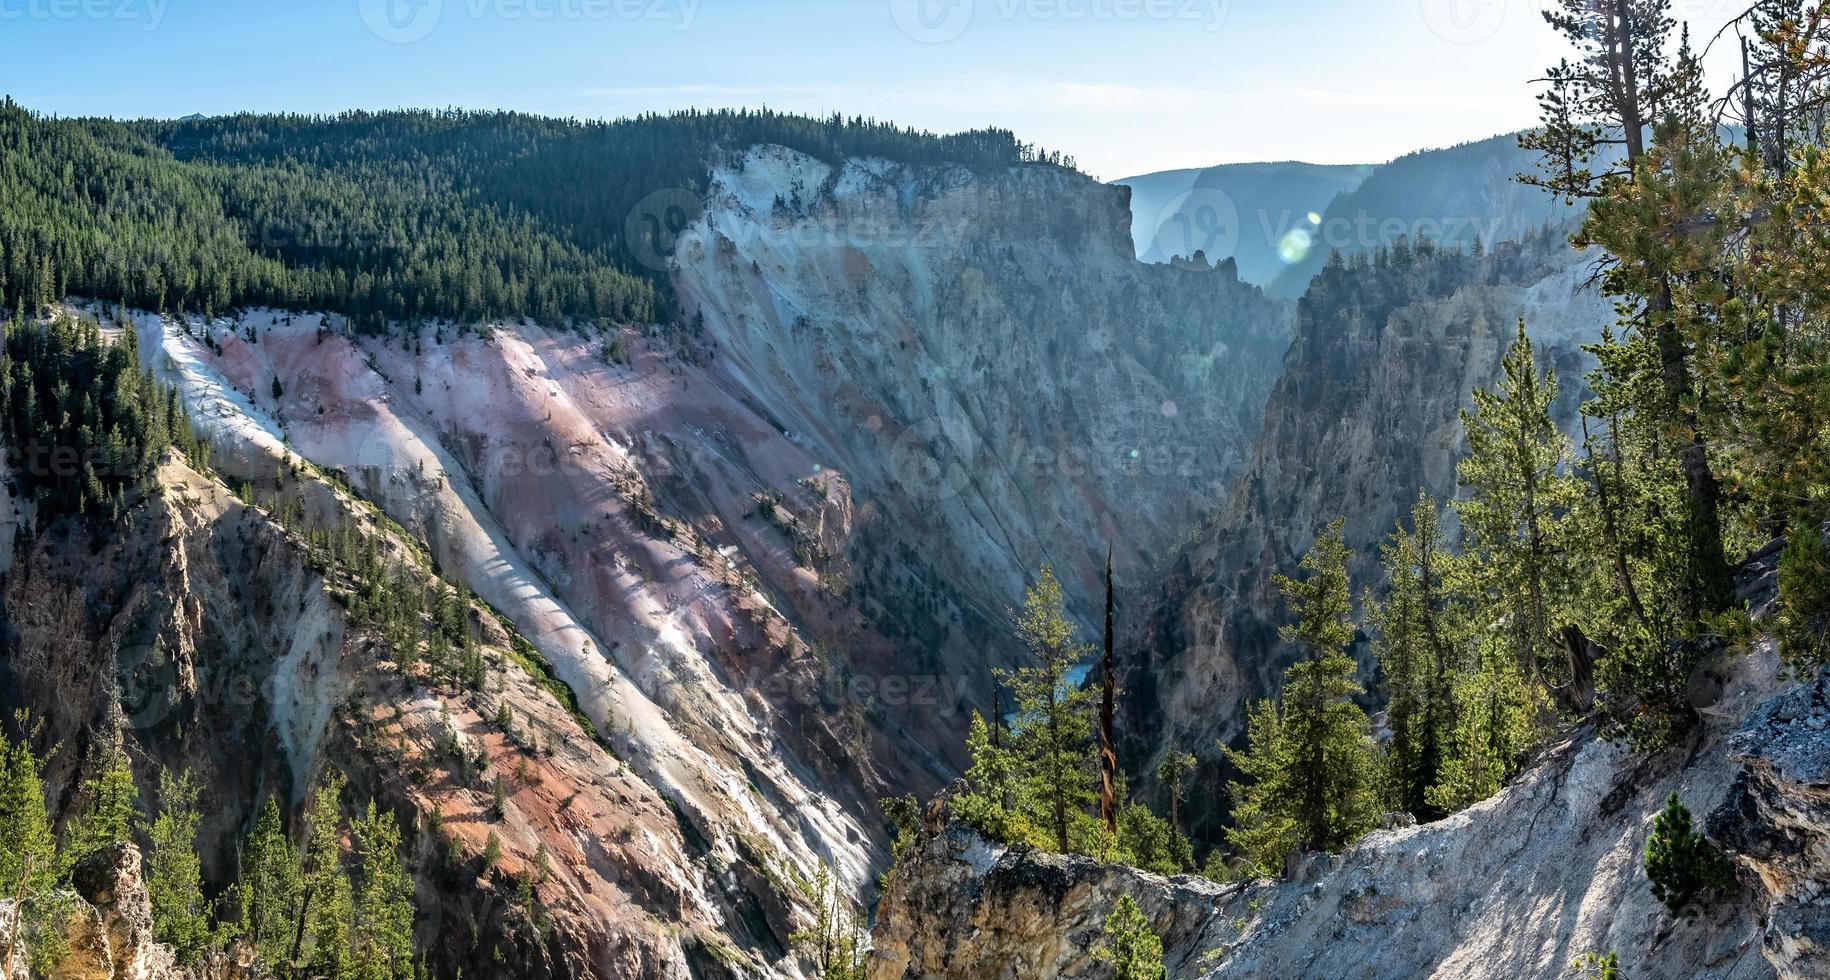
(1622, 82)
(1517, 485)
(1685, 869)
(110, 804)
(990, 806)
(174, 876)
(1053, 731)
(492, 852)
(28, 853)
(1417, 637)
(1310, 762)
(1135, 952)
(321, 933)
(1804, 601)
(381, 934)
(1495, 721)
(270, 888)
(1176, 764)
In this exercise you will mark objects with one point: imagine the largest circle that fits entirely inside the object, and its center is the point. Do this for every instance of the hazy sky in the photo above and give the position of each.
(1126, 86)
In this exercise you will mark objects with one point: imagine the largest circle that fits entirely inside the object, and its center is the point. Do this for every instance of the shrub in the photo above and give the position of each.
(1804, 601)
(1134, 951)
(1686, 870)
(1149, 842)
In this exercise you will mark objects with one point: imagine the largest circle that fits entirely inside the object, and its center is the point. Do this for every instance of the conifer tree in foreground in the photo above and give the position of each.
(174, 876)
(1418, 641)
(270, 887)
(109, 803)
(28, 855)
(1685, 869)
(1622, 82)
(1309, 766)
(381, 930)
(1135, 952)
(1053, 730)
(1517, 490)
(321, 934)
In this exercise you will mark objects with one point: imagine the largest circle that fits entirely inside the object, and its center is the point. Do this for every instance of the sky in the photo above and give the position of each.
(1124, 86)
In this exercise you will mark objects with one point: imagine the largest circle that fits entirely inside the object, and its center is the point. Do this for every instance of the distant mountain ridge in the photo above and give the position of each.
(1241, 211)
(1450, 196)
(1281, 221)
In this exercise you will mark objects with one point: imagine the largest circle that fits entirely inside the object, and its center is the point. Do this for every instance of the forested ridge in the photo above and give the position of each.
(470, 216)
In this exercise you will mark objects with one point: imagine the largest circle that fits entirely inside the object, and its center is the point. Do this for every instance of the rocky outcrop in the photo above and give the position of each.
(119, 942)
(107, 929)
(962, 907)
(1518, 886)
(1000, 381)
(1776, 817)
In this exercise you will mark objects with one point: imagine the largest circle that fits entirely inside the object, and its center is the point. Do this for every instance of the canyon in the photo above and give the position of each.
(740, 576)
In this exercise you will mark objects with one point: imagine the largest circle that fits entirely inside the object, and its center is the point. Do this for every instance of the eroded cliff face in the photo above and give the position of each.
(203, 635)
(1366, 413)
(1518, 886)
(772, 554)
(982, 356)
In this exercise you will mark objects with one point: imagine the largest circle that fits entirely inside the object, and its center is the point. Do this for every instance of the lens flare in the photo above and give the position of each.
(1295, 246)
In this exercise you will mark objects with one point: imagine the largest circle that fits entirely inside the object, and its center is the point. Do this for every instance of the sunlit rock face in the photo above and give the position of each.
(1522, 885)
(983, 357)
(204, 636)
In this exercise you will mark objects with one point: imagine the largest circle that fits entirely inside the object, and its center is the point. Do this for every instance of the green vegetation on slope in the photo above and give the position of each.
(389, 216)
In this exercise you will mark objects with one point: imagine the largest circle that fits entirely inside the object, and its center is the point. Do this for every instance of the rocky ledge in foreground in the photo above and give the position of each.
(1519, 886)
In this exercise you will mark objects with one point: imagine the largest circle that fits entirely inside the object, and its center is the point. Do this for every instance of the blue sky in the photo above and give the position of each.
(1126, 86)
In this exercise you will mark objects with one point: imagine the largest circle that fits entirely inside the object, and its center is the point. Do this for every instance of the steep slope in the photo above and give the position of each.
(983, 358)
(1241, 210)
(1365, 414)
(1520, 886)
(668, 517)
(512, 459)
(205, 636)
